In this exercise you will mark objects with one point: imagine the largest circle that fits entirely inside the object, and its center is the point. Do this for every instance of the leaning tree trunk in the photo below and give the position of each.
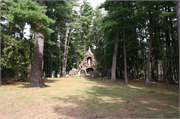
(37, 71)
(64, 58)
(113, 70)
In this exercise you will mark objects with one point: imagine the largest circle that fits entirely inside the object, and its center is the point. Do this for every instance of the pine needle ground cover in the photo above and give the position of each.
(72, 98)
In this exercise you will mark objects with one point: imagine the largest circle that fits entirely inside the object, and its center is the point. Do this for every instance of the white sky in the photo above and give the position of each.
(94, 3)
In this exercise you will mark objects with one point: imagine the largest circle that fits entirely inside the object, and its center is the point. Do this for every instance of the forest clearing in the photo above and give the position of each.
(69, 59)
(72, 98)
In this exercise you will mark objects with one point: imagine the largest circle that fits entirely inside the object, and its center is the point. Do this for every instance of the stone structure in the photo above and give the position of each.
(88, 65)
(73, 72)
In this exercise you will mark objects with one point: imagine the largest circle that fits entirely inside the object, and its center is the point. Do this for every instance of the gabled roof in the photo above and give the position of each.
(84, 65)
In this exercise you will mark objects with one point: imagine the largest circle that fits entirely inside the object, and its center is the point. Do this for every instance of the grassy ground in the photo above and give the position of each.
(71, 98)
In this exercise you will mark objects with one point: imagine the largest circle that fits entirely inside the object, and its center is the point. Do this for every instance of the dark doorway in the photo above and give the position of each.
(89, 70)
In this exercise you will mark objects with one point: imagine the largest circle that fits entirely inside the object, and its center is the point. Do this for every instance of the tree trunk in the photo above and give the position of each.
(2, 72)
(156, 69)
(36, 80)
(59, 54)
(178, 27)
(169, 62)
(177, 67)
(134, 68)
(49, 73)
(55, 74)
(78, 61)
(121, 74)
(84, 44)
(154, 66)
(137, 66)
(67, 49)
(51, 70)
(65, 52)
(145, 66)
(125, 65)
(148, 80)
(171, 45)
(132, 71)
(163, 64)
(113, 70)
(30, 63)
(21, 69)
(46, 69)
(172, 58)
(161, 68)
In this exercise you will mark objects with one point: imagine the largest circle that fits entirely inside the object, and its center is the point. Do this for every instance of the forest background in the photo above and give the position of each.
(132, 39)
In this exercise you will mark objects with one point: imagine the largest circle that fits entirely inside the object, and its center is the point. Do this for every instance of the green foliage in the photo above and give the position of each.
(28, 11)
(97, 29)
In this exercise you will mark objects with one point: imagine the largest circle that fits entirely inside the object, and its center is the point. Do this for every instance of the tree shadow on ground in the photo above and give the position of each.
(116, 100)
(140, 84)
(78, 106)
(9, 81)
(25, 82)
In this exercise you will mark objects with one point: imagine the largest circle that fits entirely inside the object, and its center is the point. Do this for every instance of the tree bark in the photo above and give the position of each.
(137, 66)
(78, 61)
(163, 64)
(59, 54)
(46, 69)
(125, 65)
(134, 68)
(113, 70)
(30, 55)
(154, 66)
(67, 49)
(172, 46)
(148, 80)
(178, 27)
(84, 44)
(169, 62)
(143, 67)
(121, 73)
(49, 73)
(36, 80)
(65, 52)
(51, 70)
(177, 65)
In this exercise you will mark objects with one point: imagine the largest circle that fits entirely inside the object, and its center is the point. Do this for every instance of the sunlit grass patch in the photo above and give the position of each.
(89, 98)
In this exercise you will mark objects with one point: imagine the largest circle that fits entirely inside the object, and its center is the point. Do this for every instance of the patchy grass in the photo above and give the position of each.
(71, 98)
